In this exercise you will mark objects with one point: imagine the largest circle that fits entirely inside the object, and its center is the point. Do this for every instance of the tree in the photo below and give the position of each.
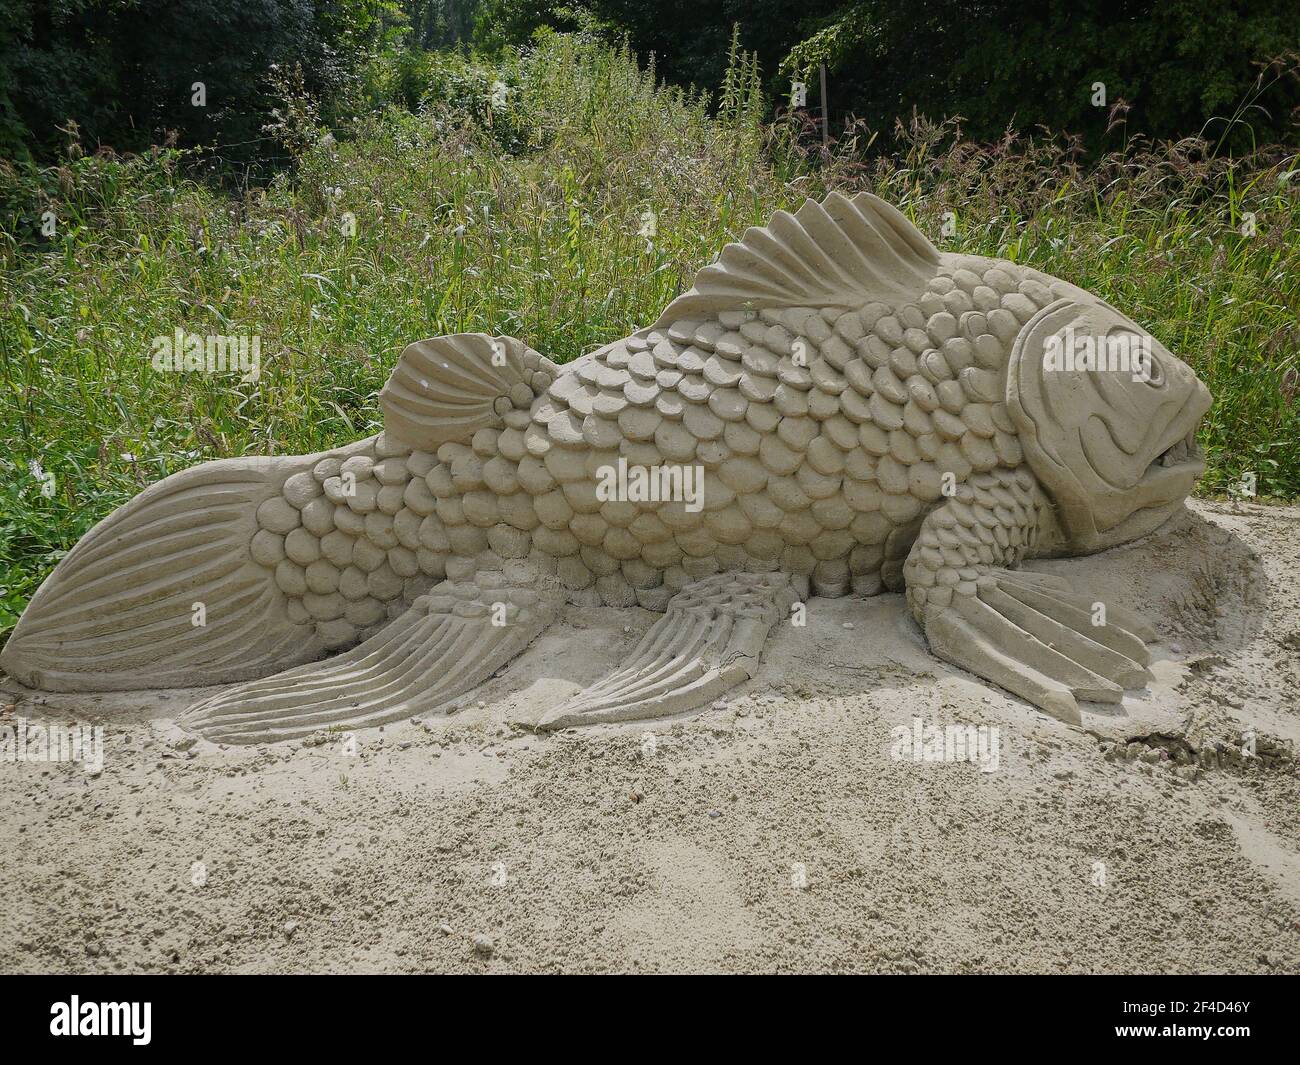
(1179, 67)
(1176, 64)
(133, 72)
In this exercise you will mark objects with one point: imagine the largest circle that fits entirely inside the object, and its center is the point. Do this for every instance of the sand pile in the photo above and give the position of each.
(795, 826)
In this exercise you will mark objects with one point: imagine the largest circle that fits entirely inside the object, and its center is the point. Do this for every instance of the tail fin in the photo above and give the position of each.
(165, 591)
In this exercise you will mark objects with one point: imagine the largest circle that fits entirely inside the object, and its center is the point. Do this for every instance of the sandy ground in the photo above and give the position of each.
(772, 833)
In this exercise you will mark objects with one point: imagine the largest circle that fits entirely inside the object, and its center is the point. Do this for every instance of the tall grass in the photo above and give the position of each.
(516, 199)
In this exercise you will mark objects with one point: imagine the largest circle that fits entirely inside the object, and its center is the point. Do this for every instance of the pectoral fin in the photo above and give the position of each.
(1026, 632)
(709, 641)
(448, 642)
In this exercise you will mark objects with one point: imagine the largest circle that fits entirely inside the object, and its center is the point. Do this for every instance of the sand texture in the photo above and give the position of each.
(772, 832)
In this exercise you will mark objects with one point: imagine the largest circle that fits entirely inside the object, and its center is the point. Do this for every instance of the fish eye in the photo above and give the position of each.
(1153, 372)
(1136, 353)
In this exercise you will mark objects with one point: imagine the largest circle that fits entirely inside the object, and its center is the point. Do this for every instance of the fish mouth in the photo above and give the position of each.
(1179, 459)
(1158, 494)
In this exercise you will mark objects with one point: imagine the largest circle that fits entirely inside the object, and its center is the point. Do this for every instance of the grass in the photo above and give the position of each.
(526, 217)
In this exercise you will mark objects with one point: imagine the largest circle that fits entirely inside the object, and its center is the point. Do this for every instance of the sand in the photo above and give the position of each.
(774, 832)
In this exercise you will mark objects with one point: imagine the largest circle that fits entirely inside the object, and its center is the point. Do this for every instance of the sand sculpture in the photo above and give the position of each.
(834, 407)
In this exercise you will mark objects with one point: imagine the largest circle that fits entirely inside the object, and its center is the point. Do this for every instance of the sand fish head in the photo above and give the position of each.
(1107, 418)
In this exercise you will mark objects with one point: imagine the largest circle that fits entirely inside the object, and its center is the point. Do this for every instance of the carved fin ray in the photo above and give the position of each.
(838, 253)
(447, 388)
(118, 610)
(443, 646)
(709, 641)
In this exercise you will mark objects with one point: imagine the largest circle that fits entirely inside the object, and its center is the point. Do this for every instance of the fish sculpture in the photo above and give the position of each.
(834, 408)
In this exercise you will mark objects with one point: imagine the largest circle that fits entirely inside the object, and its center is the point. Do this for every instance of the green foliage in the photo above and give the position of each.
(688, 39)
(124, 71)
(502, 24)
(436, 24)
(457, 89)
(1169, 69)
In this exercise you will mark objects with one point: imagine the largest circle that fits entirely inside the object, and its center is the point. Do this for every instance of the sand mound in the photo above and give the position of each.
(775, 832)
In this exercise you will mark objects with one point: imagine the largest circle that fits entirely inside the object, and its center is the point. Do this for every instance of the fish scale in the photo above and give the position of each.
(892, 454)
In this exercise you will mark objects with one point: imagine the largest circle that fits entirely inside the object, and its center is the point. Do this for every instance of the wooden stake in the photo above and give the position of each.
(826, 114)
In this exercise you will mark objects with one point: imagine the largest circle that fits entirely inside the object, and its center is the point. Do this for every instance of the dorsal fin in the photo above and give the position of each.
(837, 253)
(447, 388)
